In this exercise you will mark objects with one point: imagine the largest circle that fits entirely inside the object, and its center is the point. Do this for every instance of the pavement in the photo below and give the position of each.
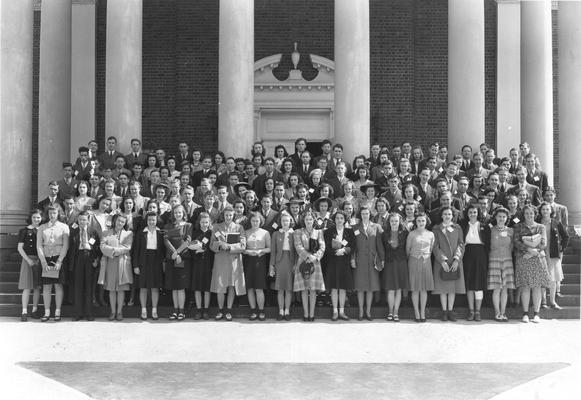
(289, 360)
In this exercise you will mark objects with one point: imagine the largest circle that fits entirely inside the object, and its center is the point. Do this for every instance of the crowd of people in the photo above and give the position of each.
(313, 229)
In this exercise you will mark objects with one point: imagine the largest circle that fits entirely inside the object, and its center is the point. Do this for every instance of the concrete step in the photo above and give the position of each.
(11, 276)
(10, 266)
(571, 259)
(571, 268)
(570, 288)
(569, 300)
(9, 287)
(572, 278)
(321, 313)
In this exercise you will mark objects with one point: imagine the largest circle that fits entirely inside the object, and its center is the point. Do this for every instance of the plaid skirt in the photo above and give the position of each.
(315, 281)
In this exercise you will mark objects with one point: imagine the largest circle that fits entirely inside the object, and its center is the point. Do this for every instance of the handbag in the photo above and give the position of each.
(306, 269)
(450, 275)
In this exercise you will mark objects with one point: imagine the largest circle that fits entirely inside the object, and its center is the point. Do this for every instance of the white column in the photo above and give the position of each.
(537, 80)
(54, 109)
(465, 74)
(507, 76)
(123, 72)
(15, 112)
(570, 106)
(236, 77)
(352, 99)
(82, 75)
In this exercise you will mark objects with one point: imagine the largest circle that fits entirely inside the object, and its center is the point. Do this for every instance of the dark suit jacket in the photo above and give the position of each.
(466, 168)
(539, 179)
(484, 233)
(75, 242)
(82, 174)
(304, 175)
(108, 161)
(198, 176)
(180, 158)
(65, 189)
(333, 165)
(138, 252)
(258, 184)
(130, 159)
(270, 220)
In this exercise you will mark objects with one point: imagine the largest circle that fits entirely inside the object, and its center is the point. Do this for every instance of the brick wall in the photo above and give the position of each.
(408, 56)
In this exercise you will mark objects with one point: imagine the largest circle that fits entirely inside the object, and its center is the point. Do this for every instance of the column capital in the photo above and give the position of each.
(85, 2)
(508, 1)
(36, 5)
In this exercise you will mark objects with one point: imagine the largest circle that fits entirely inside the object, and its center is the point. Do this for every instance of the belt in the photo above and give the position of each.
(85, 251)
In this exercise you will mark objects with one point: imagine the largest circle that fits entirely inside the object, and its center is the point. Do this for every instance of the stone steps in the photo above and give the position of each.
(321, 313)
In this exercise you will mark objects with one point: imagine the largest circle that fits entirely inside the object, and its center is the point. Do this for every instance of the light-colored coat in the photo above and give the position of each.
(448, 244)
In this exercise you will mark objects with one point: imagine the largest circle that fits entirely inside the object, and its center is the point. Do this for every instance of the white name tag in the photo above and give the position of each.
(74, 226)
(400, 208)
(450, 229)
(217, 234)
(344, 242)
(275, 225)
(311, 190)
(503, 234)
(516, 220)
(536, 179)
(92, 241)
(205, 240)
(490, 225)
(356, 232)
(419, 198)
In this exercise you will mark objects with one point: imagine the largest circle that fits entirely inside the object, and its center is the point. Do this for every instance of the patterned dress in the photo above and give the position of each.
(419, 247)
(530, 271)
(303, 247)
(500, 267)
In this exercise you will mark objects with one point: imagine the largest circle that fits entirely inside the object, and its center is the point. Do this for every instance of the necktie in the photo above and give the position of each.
(135, 155)
(84, 241)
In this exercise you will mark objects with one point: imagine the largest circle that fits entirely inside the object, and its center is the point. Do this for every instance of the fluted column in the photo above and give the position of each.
(82, 75)
(54, 108)
(507, 76)
(352, 99)
(123, 72)
(236, 77)
(537, 80)
(570, 106)
(15, 113)
(465, 73)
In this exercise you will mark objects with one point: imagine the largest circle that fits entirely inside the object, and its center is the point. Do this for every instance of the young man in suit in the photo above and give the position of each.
(52, 200)
(270, 215)
(84, 254)
(83, 168)
(338, 158)
(70, 213)
(203, 173)
(107, 159)
(304, 168)
(535, 176)
(300, 148)
(326, 152)
(67, 185)
(270, 172)
(477, 168)
(534, 193)
(466, 158)
(184, 155)
(136, 156)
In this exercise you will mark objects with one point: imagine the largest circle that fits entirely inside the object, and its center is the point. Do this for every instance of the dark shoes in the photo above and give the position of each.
(287, 317)
(35, 314)
(24, 317)
(44, 318)
(261, 316)
(477, 316)
(119, 317)
(279, 317)
(444, 316)
(451, 316)
(198, 315)
(343, 317)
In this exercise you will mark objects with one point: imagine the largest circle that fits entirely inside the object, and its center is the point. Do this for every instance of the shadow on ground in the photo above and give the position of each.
(291, 380)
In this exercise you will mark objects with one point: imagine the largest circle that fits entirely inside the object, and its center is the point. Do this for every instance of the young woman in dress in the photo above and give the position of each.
(394, 264)
(292, 183)
(282, 261)
(178, 266)
(500, 266)
(348, 196)
(448, 254)
(409, 216)
(116, 273)
(202, 263)
(310, 247)
(228, 242)
(83, 202)
(151, 165)
(531, 273)
(30, 270)
(381, 213)
(362, 177)
(557, 240)
(148, 255)
(127, 209)
(370, 197)
(280, 155)
(339, 244)
(475, 260)
(419, 246)
(52, 244)
(255, 264)
(367, 261)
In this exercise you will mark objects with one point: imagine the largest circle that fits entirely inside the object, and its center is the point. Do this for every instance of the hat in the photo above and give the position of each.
(306, 269)
(323, 199)
(363, 188)
(162, 185)
(295, 201)
(238, 185)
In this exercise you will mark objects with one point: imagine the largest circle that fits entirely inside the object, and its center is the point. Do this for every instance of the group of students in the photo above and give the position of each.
(395, 221)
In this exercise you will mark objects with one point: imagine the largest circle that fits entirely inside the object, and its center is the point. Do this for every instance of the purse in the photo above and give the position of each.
(450, 275)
